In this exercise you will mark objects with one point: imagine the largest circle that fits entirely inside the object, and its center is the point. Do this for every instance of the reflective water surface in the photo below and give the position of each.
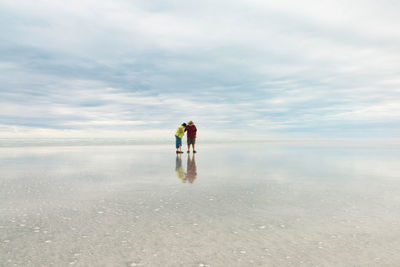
(228, 205)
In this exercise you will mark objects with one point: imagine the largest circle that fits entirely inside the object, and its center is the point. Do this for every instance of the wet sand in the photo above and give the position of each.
(230, 205)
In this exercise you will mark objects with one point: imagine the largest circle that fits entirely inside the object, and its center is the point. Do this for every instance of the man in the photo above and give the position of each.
(178, 138)
(191, 135)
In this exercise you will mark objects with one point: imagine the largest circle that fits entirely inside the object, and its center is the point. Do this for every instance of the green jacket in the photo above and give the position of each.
(180, 131)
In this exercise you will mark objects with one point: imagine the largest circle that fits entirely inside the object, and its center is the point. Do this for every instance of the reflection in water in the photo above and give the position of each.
(178, 168)
(191, 168)
(255, 205)
(191, 171)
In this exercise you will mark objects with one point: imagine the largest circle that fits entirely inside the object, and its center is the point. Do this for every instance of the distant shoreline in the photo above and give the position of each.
(32, 142)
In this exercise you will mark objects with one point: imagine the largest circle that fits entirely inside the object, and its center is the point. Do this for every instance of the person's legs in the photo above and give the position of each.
(189, 142)
(178, 144)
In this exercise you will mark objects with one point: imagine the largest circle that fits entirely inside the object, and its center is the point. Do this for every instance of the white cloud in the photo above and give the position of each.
(255, 65)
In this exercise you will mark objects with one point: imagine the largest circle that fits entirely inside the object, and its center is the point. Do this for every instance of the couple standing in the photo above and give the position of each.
(191, 130)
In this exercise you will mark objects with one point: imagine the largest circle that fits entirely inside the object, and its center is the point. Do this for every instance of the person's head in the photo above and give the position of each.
(190, 123)
(184, 124)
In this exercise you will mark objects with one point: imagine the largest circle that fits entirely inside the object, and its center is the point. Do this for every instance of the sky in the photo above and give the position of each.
(250, 69)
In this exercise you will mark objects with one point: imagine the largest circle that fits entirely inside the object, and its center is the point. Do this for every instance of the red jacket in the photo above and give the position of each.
(191, 131)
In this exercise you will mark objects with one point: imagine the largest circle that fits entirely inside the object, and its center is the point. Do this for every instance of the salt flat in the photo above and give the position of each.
(250, 204)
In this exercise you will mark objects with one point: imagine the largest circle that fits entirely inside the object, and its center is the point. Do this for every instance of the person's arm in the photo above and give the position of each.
(181, 130)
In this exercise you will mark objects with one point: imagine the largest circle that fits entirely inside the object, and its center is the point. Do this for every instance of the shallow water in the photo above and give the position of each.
(229, 205)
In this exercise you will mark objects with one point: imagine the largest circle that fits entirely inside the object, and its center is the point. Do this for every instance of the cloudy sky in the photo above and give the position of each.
(250, 68)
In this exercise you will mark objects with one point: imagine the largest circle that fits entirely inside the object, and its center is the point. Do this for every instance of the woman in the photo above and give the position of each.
(178, 138)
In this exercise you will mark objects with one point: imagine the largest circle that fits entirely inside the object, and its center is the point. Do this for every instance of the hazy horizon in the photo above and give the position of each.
(167, 143)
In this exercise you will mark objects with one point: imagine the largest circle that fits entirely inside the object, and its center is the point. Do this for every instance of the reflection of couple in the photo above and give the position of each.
(191, 169)
(191, 130)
